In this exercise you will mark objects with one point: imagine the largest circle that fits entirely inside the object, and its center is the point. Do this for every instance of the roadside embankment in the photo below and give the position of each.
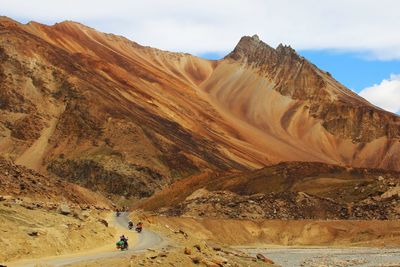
(28, 231)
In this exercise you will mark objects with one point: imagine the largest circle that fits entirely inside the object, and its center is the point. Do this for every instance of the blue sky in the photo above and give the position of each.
(351, 69)
(377, 80)
(357, 41)
(355, 70)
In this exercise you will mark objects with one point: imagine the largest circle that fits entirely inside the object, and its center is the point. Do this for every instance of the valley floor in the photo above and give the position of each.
(182, 241)
(339, 257)
(333, 233)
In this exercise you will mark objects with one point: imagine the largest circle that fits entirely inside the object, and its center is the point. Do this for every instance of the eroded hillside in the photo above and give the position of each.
(112, 115)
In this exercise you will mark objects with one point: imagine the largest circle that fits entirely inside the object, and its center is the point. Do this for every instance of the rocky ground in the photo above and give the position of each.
(326, 257)
(290, 190)
(284, 205)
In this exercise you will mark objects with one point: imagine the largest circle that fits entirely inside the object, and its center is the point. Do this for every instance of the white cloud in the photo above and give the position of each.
(385, 95)
(368, 26)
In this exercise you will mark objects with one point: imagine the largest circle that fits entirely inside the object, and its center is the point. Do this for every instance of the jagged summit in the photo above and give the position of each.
(255, 37)
(249, 47)
(286, 49)
(252, 50)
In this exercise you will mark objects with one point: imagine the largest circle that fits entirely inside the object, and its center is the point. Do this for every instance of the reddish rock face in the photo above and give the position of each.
(123, 113)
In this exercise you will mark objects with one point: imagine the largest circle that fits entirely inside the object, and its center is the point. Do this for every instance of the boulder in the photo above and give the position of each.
(197, 247)
(64, 209)
(195, 259)
(152, 257)
(210, 263)
(216, 247)
(163, 254)
(391, 193)
(188, 251)
(78, 215)
(3, 198)
(29, 206)
(219, 260)
(261, 257)
(33, 233)
(104, 222)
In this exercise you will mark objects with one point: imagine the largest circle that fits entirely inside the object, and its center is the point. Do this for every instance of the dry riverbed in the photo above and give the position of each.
(329, 257)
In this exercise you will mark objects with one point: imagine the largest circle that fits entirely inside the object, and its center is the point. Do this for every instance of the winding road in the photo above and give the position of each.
(143, 241)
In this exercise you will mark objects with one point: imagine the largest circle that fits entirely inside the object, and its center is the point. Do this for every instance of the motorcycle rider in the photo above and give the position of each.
(124, 239)
(139, 226)
(130, 225)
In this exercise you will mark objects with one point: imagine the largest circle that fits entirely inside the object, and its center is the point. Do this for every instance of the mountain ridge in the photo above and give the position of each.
(106, 105)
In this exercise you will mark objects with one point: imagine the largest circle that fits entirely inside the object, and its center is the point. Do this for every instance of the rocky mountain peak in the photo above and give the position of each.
(255, 37)
(286, 50)
(252, 50)
(249, 47)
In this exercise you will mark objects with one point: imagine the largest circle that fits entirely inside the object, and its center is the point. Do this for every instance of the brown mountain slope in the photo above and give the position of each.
(290, 190)
(32, 187)
(113, 115)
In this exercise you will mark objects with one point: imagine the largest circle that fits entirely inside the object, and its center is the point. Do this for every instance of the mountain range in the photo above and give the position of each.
(120, 118)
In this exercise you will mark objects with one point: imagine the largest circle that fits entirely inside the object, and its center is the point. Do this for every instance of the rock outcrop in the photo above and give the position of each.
(281, 206)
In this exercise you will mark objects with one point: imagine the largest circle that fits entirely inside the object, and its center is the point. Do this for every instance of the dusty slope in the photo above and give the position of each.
(19, 183)
(118, 117)
(37, 232)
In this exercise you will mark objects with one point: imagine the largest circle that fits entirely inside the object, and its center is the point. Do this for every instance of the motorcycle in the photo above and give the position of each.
(130, 226)
(138, 229)
(118, 213)
(122, 245)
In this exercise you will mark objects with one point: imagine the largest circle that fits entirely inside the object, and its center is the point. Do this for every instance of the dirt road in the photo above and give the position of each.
(138, 243)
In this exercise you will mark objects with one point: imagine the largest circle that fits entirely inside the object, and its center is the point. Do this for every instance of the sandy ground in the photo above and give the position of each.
(339, 257)
(138, 243)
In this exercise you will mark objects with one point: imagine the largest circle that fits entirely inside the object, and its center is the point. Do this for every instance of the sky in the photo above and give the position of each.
(357, 41)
